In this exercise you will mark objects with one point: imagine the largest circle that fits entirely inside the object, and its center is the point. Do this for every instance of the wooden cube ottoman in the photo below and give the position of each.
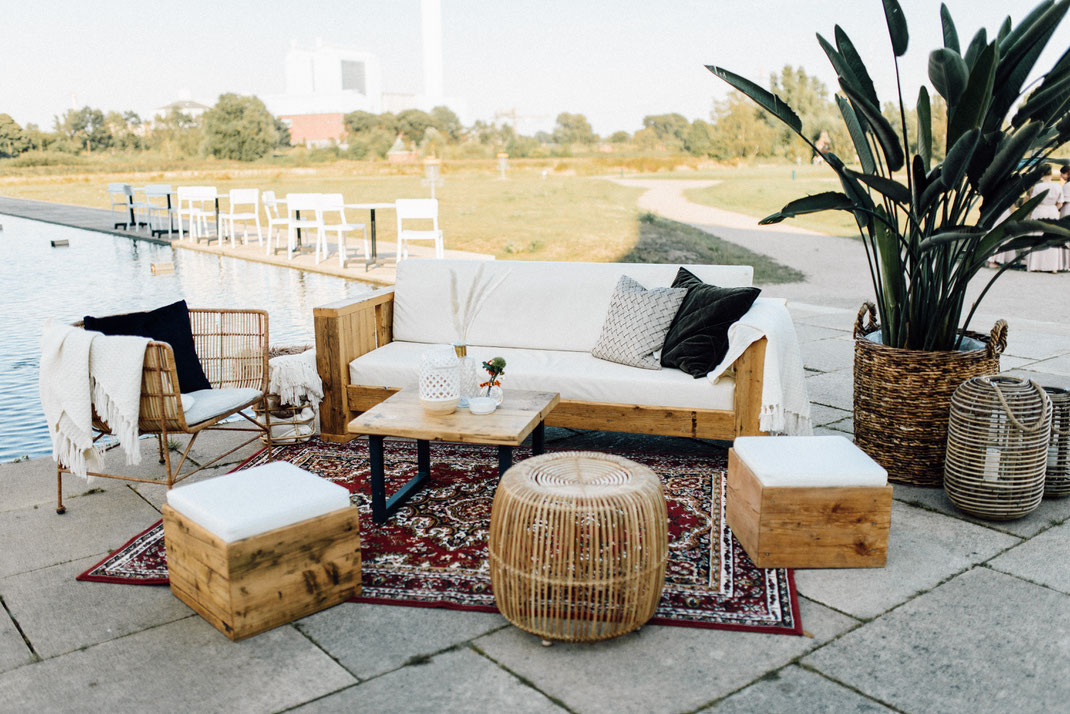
(808, 502)
(262, 547)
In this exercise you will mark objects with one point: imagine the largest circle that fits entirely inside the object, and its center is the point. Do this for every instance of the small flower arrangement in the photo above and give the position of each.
(495, 368)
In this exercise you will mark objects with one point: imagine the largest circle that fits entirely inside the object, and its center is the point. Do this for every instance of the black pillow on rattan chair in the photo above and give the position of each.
(169, 324)
(698, 337)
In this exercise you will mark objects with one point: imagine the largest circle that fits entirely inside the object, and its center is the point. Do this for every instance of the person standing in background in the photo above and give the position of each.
(1048, 260)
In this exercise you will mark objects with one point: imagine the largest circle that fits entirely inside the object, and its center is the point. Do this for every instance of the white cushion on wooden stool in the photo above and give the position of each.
(257, 500)
(808, 461)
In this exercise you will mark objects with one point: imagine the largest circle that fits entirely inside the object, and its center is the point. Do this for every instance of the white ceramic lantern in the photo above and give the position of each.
(440, 383)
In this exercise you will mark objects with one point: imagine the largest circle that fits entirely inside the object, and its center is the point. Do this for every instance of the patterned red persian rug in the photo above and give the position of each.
(433, 551)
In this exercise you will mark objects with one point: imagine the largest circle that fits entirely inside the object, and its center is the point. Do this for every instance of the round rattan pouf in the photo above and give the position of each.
(997, 447)
(578, 545)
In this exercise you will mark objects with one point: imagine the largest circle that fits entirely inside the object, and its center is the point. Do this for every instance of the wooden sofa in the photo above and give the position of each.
(348, 329)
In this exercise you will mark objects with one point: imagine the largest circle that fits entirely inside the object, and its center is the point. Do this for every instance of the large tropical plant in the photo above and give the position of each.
(928, 229)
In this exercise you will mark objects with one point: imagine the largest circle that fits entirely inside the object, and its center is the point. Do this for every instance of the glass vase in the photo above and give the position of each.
(468, 373)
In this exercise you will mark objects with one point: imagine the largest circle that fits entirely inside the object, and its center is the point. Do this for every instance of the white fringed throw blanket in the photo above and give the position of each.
(785, 403)
(80, 371)
(295, 379)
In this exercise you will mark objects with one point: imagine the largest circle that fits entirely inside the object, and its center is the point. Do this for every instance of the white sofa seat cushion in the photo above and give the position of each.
(257, 500)
(808, 461)
(575, 375)
(544, 306)
(210, 403)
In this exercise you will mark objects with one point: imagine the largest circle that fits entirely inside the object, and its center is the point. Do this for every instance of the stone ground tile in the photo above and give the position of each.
(93, 525)
(796, 689)
(829, 431)
(1041, 560)
(33, 483)
(658, 669)
(847, 426)
(809, 333)
(924, 548)
(1035, 345)
(833, 389)
(1009, 362)
(369, 640)
(13, 649)
(830, 355)
(1056, 365)
(459, 681)
(839, 320)
(982, 642)
(75, 614)
(821, 415)
(1044, 379)
(1050, 512)
(187, 666)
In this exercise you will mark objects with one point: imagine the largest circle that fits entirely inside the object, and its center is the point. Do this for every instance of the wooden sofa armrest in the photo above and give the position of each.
(345, 330)
(747, 409)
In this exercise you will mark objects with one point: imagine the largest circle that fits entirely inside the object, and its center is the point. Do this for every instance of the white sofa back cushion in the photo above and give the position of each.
(552, 306)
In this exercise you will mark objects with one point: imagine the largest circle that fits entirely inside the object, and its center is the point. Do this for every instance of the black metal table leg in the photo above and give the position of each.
(373, 259)
(378, 478)
(538, 439)
(505, 459)
(383, 508)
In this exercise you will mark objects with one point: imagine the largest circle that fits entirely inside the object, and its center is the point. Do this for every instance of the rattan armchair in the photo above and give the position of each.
(232, 347)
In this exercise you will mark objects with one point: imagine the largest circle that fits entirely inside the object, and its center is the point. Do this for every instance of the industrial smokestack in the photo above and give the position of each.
(431, 25)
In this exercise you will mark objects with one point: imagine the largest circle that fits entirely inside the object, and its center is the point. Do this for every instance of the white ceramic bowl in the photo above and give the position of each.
(440, 406)
(482, 405)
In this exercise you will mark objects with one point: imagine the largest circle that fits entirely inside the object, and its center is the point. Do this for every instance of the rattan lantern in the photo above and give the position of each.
(997, 447)
(578, 545)
(440, 381)
(1057, 479)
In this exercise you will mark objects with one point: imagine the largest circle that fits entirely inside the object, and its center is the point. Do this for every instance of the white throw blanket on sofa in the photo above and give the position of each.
(785, 403)
(81, 370)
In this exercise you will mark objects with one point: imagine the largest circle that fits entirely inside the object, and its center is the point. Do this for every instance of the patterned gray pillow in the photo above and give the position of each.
(636, 323)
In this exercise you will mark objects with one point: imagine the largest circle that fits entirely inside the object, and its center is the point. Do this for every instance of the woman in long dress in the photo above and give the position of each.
(1064, 172)
(1048, 259)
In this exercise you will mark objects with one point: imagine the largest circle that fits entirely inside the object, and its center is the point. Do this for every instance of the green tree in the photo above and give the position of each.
(740, 129)
(282, 134)
(85, 129)
(239, 128)
(671, 129)
(176, 135)
(699, 139)
(619, 137)
(573, 129)
(811, 100)
(447, 123)
(412, 123)
(12, 139)
(360, 122)
(124, 128)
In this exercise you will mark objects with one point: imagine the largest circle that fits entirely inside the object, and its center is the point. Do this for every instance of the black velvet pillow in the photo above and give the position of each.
(698, 337)
(169, 324)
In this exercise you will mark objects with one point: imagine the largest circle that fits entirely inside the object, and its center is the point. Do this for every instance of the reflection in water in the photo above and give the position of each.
(102, 274)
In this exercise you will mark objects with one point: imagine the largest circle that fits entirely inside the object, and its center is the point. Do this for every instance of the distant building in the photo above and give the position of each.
(188, 107)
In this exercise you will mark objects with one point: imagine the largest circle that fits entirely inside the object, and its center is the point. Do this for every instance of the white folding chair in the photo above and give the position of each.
(418, 209)
(161, 212)
(331, 204)
(199, 207)
(122, 200)
(241, 197)
(311, 220)
(271, 207)
(142, 208)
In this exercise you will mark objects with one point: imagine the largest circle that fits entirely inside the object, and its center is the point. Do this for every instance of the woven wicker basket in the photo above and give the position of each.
(1057, 479)
(997, 447)
(902, 397)
(286, 422)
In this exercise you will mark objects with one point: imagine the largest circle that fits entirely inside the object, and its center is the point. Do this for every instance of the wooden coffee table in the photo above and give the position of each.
(520, 414)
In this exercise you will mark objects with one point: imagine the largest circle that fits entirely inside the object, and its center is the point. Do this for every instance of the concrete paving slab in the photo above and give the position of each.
(1056, 365)
(1040, 560)
(923, 549)
(681, 668)
(1009, 362)
(840, 320)
(33, 483)
(36, 537)
(830, 355)
(1034, 344)
(822, 415)
(186, 665)
(794, 689)
(1044, 379)
(833, 389)
(73, 614)
(13, 649)
(810, 333)
(369, 640)
(458, 682)
(982, 642)
(1050, 512)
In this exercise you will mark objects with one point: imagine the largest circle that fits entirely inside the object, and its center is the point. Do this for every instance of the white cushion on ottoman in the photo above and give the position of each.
(808, 461)
(257, 500)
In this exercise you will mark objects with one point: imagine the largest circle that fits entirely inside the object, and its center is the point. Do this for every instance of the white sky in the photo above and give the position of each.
(614, 61)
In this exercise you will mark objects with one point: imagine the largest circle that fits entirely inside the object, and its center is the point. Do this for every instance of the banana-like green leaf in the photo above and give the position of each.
(860, 74)
(886, 136)
(1019, 53)
(945, 237)
(1046, 103)
(958, 157)
(951, 37)
(1004, 30)
(765, 99)
(948, 73)
(827, 201)
(890, 188)
(995, 204)
(970, 110)
(978, 43)
(858, 136)
(891, 265)
(864, 205)
(925, 127)
(1011, 150)
(1031, 18)
(934, 189)
(897, 27)
(982, 155)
